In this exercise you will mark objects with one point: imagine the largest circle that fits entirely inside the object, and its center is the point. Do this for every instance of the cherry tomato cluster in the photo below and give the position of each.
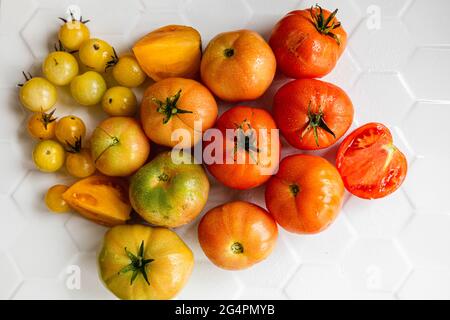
(62, 139)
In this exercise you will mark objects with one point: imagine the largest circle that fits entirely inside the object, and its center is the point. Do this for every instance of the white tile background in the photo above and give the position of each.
(399, 74)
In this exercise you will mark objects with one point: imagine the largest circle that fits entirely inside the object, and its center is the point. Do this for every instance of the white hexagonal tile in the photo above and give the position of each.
(376, 94)
(266, 13)
(427, 241)
(149, 21)
(43, 248)
(88, 236)
(14, 14)
(212, 22)
(43, 288)
(349, 14)
(346, 71)
(11, 169)
(383, 49)
(82, 280)
(432, 28)
(41, 31)
(325, 282)
(427, 284)
(373, 264)
(385, 8)
(324, 247)
(164, 6)
(15, 57)
(273, 272)
(423, 175)
(10, 276)
(210, 282)
(257, 293)
(123, 13)
(379, 218)
(30, 195)
(427, 73)
(12, 221)
(12, 120)
(424, 141)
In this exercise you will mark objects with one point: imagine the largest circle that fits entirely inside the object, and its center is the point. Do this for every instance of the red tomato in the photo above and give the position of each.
(369, 163)
(259, 159)
(237, 235)
(305, 196)
(308, 43)
(312, 114)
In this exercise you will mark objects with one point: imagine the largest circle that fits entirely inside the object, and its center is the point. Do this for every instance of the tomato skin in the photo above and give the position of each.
(48, 156)
(38, 94)
(88, 88)
(306, 194)
(95, 54)
(69, 129)
(54, 199)
(167, 273)
(42, 126)
(60, 68)
(246, 175)
(369, 163)
(79, 164)
(119, 101)
(72, 34)
(238, 65)
(237, 235)
(194, 98)
(294, 100)
(301, 50)
(119, 146)
(127, 72)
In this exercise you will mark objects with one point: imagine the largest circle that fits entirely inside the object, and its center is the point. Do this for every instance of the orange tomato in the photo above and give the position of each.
(305, 196)
(170, 51)
(79, 163)
(176, 103)
(238, 65)
(42, 125)
(260, 157)
(237, 235)
(370, 164)
(308, 43)
(312, 114)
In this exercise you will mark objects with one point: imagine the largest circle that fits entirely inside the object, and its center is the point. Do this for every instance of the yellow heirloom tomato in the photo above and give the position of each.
(54, 199)
(48, 156)
(127, 71)
(144, 263)
(170, 51)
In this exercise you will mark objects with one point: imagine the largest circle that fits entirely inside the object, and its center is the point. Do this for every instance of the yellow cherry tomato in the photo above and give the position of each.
(73, 33)
(79, 164)
(42, 125)
(70, 131)
(128, 72)
(48, 156)
(60, 68)
(37, 94)
(95, 54)
(119, 101)
(54, 199)
(88, 89)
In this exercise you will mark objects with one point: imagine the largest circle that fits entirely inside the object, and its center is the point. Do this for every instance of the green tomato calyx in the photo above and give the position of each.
(316, 121)
(137, 265)
(169, 107)
(325, 26)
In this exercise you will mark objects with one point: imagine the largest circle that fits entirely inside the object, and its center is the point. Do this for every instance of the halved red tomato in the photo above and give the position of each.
(370, 165)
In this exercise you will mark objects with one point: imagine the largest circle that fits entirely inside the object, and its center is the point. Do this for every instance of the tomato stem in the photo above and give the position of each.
(237, 248)
(316, 121)
(325, 26)
(137, 265)
(169, 107)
